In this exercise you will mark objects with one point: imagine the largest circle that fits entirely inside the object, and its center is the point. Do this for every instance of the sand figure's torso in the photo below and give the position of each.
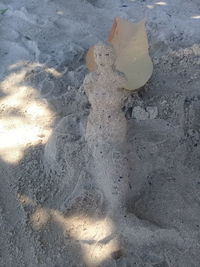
(106, 96)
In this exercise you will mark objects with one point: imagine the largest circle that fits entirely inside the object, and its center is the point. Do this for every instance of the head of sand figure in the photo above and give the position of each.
(104, 56)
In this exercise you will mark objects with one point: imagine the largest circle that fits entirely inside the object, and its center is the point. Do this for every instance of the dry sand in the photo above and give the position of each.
(43, 156)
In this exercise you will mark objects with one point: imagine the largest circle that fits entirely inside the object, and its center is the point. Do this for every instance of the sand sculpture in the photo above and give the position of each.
(123, 63)
(99, 188)
(105, 135)
(106, 128)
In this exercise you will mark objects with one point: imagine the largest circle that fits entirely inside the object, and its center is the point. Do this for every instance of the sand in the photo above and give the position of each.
(43, 154)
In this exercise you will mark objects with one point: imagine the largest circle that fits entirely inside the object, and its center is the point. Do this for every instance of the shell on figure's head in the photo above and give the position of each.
(104, 55)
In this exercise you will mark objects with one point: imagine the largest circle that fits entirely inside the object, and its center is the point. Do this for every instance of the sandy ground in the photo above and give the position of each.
(43, 155)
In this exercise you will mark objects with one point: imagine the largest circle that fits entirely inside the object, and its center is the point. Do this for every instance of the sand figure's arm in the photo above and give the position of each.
(120, 84)
(120, 79)
(89, 81)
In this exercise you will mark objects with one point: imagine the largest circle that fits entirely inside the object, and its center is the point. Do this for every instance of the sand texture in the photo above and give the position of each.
(52, 214)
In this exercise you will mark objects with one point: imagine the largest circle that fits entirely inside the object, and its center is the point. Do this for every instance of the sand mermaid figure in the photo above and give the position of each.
(106, 128)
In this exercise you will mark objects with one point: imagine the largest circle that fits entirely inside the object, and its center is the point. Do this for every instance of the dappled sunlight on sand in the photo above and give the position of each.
(25, 118)
(150, 6)
(196, 17)
(39, 218)
(97, 237)
(161, 3)
(30, 66)
(25, 200)
(157, 4)
(59, 12)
